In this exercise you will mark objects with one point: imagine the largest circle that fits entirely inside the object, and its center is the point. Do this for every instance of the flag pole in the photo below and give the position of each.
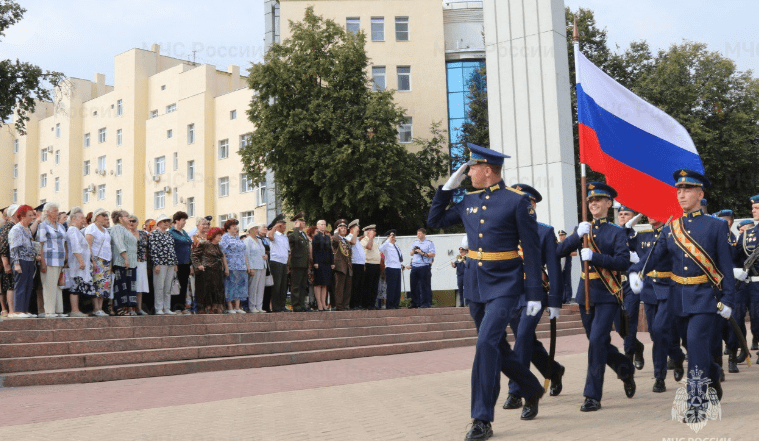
(583, 183)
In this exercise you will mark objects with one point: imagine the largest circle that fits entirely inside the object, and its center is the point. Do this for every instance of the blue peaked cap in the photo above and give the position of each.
(485, 155)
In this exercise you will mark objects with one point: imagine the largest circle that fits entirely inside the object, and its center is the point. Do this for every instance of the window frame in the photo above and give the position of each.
(119, 108)
(159, 195)
(159, 165)
(119, 167)
(191, 133)
(119, 136)
(191, 170)
(86, 168)
(383, 75)
(410, 124)
(399, 20)
(377, 21)
(191, 206)
(43, 180)
(86, 140)
(101, 192)
(224, 185)
(349, 21)
(398, 78)
(233, 114)
(119, 198)
(102, 135)
(224, 148)
(246, 183)
(57, 157)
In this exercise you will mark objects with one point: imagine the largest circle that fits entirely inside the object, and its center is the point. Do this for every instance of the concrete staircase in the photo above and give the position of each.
(62, 351)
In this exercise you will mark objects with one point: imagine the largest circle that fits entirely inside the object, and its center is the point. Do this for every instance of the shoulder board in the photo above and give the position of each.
(650, 230)
(516, 191)
(475, 192)
(545, 225)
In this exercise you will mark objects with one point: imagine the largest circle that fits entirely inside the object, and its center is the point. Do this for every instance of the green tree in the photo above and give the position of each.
(331, 142)
(21, 84)
(476, 129)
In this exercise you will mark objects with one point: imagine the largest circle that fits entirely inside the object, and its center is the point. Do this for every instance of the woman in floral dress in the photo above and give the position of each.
(99, 240)
(236, 267)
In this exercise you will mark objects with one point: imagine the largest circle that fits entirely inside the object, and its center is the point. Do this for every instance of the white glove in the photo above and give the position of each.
(553, 313)
(632, 222)
(635, 283)
(586, 254)
(726, 311)
(533, 308)
(634, 257)
(583, 228)
(457, 177)
(740, 274)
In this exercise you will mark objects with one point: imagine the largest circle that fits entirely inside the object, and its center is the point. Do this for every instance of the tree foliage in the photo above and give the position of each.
(21, 84)
(331, 142)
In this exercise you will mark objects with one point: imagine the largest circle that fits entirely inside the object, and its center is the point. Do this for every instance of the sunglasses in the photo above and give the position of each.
(132, 221)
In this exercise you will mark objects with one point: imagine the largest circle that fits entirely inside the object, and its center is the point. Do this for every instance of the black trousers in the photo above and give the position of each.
(357, 285)
(183, 276)
(371, 282)
(299, 291)
(279, 290)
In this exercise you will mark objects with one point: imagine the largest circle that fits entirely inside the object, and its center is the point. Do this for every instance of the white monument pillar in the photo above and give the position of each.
(529, 101)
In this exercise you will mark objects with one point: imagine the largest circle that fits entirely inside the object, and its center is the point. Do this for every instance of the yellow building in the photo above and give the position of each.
(163, 138)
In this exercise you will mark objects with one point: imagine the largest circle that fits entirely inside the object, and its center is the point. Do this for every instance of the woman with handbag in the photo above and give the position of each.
(255, 251)
(208, 262)
(124, 246)
(99, 240)
(236, 267)
(52, 237)
(164, 258)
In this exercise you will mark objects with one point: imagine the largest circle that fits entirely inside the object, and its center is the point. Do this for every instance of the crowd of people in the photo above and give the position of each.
(75, 264)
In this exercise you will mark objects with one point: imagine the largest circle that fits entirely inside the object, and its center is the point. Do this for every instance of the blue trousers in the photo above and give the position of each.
(661, 327)
(527, 347)
(460, 283)
(739, 313)
(700, 332)
(421, 286)
(601, 352)
(393, 279)
(23, 285)
(753, 307)
(632, 305)
(493, 355)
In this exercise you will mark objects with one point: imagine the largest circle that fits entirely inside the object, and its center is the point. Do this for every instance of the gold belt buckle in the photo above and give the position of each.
(685, 279)
(479, 255)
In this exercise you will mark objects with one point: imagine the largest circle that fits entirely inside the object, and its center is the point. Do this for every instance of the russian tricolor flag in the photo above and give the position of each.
(636, 145)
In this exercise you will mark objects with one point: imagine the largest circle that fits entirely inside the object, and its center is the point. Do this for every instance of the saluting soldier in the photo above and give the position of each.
(749, 290)
(497, 219)
(343, 271)
(524, 323)
(299, 256)
(627, 218)
(608, 255)
(702, 272)
(655, 297)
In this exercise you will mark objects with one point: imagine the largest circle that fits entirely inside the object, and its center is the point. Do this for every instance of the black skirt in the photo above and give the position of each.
(323, 274)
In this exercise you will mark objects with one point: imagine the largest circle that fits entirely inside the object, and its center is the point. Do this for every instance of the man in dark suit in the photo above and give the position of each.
(299, 253)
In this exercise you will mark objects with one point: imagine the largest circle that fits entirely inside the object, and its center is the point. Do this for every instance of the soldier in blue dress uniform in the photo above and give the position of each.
(609, 254)
(566, 272)
(702, 275)
(633, 347)
(497, 219)
(460, 265)
(524, 323)
(748, 290)
(655, 295)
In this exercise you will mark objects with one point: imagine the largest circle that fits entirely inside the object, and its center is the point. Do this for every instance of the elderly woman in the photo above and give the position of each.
(23, 255)
(6, 278)
(208, 262)
(182, 247)
(52, 237)
(235, 267)
(256, 254)
(79, 271)
(164, 258)
(124, 246)
(141, 277)
(263, 229)
(323, 261)
(99, 239)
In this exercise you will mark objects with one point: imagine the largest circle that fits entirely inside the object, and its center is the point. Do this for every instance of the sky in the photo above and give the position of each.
(81, 37)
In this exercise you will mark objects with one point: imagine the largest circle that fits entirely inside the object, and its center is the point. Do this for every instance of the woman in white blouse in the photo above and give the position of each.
(100, 244)
(256, 254)
(79, 271)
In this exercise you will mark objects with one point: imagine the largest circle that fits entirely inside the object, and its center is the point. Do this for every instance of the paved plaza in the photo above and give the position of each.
(419, 396)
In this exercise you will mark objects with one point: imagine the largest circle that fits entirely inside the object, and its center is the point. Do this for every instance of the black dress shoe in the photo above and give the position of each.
(732, 363)
(721, 375)
(556, 384)
(726, 351)
(481, 430)
(512, 402)
(659, 386)
(629, 386)
(718, 388)
(670, 364)
(678, 371)
(530, 410)
(639, 362)
(741, 357)
(754, 345)
(590, 405)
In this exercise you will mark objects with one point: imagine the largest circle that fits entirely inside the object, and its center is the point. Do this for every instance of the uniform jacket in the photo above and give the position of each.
(496, 219)
(614, 255)
(299, 248)
(744, 246)
(713, 236)
(343, 255)
(552, 262)
(654, 288)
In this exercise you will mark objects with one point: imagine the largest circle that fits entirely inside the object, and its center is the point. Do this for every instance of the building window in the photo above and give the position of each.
(118, 137)
(57, 157)
(175, 196)
(101, 163)
(153, 113)
(159, 200)
(101, 192)
(191, 207)
(95, 113)
(118, 198)
(223, 187)
(353, 24)
(15, 146)
(401, 29)
(190, 133)
(223, 149)
(160, 165)
(222, 219)
(233, 114)
(245, 140)
(169, 133)
(43, 155)
(190, 170)
(378, 78)
(57, 184)
(119, 108)
(86, 195)
(246, 184)
(57, 130)
(163, 87)
(15, 196)
(86, 140)
(119, 168)
(378, 29)
(15, 170)
(261, 195)
(171, 108)
(404, 78)
(246, 220)
(101, 135)
(86, 168)
(405, 132)
(43, 180)
(176, 161)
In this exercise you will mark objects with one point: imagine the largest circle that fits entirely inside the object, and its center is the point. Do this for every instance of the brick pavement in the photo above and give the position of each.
(397, 397)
